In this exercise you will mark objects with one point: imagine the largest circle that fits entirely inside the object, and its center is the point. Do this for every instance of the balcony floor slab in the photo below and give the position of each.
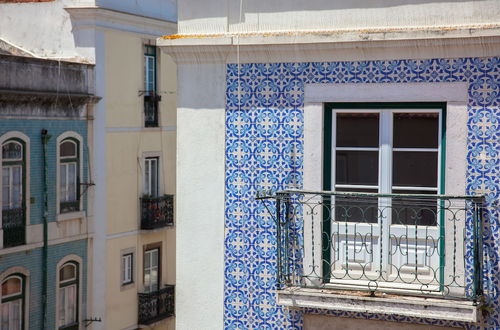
(362, 302)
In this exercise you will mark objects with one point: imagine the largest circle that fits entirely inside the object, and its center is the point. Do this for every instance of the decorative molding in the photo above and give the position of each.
(96, 17)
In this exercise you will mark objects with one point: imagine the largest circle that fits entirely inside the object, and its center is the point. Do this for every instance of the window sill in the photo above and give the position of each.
(20, 248)
(127, 286)
(362, 302)
(70, 216)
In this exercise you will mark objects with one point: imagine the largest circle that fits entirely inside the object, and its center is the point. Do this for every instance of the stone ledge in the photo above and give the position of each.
(431, 308)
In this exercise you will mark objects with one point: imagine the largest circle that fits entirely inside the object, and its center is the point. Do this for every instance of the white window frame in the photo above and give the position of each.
(127, 268)
(385, 150)
(27, 161)
(160, 177)
(80, 213)
(147, 253)
(455, 95)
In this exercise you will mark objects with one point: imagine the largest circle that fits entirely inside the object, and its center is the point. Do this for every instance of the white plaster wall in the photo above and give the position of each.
(162, 9)
(200, 196)
(272, 15)
(43, 29)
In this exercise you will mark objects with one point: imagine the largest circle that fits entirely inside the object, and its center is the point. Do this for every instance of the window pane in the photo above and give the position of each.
(72, 182)
(415, 169)
(356, 167)
(357, 129)
(67, 149)
(6, 188)
(416, 130)
(62, 182)
(356, 208)
(17, 196)
(411, 211)
(154, 177)
(12, 151)
(68, 272)
(11, 286)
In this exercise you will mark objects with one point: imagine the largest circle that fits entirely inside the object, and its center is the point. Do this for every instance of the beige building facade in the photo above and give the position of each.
(131, 258)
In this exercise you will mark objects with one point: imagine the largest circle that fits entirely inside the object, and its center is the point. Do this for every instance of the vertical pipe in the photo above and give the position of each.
(45, 140)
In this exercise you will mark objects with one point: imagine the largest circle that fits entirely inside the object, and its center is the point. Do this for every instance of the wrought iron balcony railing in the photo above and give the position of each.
(151, 109)
(426, 245)
(14, 228)
(156, 306)
(157, 212)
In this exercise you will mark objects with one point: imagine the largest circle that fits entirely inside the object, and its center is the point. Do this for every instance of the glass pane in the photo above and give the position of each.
(147, 177)
(357, 129)
(147, 259)
(154, 258)
(68, 272)
(6, 188)
(356, 167)
(71, 304)
(67, 149)
(62, 182)
(415, 169)
(11, 286)
(17, 191)
(62, 303)
(413, 211)
(416, 130)
(72, 182)
(154, 177)
(12, 151)
(356, 208)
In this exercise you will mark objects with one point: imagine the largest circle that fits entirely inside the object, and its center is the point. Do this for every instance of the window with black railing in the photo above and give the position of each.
(157, 212)
(157, 305)
(13, 193)
(151, 97)
(418, 244)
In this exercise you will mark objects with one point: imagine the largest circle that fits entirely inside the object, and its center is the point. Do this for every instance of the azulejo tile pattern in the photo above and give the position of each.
(264, 150)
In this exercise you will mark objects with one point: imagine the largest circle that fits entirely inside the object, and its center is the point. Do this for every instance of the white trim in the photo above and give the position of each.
(152, 154)
(454, 94)
(76, 259)
(71, 215)
(103, 18)
(19, 270)
(123, 252)
(27, 188)
(121, 235)
(61, 138)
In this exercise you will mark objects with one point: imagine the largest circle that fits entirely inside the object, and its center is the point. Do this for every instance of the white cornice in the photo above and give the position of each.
(315, 51)
(96, 17)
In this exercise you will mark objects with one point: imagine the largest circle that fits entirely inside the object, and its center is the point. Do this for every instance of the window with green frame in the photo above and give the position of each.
(68, 296)
(13, 192)
(386, 148)
(12, 303)
(69, 175)
(151, 97)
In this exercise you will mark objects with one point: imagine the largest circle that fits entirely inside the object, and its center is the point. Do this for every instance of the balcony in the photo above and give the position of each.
(151, 109)
(156, 306)
(411, 255)
(157, 212)
(14, 228)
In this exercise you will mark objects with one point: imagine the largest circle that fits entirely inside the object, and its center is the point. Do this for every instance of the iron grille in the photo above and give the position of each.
(157, 212)
(428, 245)
(156, 306)
(13, 225)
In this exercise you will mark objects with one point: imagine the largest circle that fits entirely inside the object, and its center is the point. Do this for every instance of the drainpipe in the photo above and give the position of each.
(45, 140)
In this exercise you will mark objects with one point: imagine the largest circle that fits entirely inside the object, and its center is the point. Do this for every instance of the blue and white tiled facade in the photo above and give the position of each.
(264, 150)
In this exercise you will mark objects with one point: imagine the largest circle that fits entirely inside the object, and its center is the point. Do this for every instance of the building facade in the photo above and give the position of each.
(46, 225)
(132, 269)
(378, 127)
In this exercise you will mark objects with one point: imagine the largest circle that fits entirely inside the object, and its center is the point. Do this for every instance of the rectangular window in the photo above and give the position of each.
(127, 268)
(151, 97)
(385, 149)
(151, 270)
(12, 193)
(151, 177)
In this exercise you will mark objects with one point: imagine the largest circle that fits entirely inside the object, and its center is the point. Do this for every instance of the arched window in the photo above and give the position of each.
(12, 304)
(13, 192)
(68, 296)
(69, 172)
